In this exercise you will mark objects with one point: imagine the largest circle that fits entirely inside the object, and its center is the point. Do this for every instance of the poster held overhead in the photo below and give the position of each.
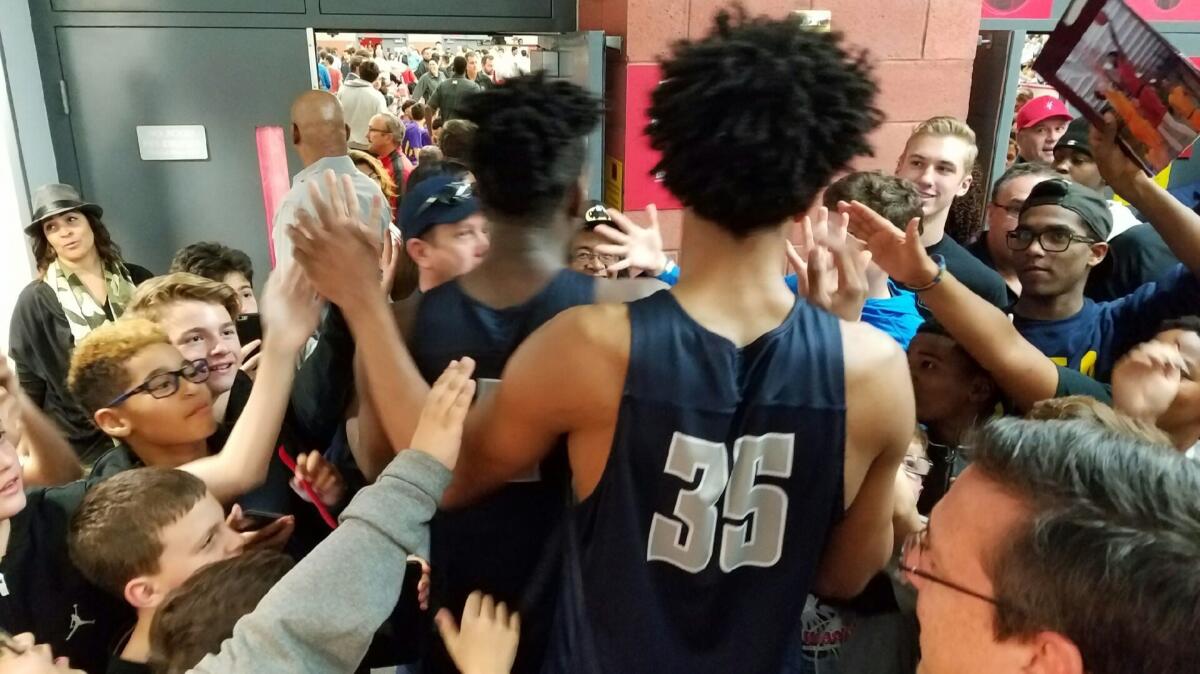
(1104, 58)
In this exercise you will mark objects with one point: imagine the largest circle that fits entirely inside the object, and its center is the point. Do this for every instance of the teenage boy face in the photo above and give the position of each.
(244, 289)
(944, 379)
(1051, 274)
(203, 330)
(197, 539)
(937, 166)
(12, 487)
(1079, 166)
(184, 417)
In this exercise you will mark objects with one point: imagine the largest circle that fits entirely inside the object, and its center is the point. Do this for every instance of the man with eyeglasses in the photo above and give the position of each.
(385, 132)
(444, 233)
(585, 256)
(1008, 196)
(1085, 558)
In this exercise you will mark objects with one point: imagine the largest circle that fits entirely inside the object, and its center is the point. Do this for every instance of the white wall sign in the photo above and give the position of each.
(172, 143)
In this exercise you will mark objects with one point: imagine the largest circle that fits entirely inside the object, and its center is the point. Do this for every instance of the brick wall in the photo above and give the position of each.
(922, 49)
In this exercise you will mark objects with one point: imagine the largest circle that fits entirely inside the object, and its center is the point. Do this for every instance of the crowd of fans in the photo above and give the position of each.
(473, 422)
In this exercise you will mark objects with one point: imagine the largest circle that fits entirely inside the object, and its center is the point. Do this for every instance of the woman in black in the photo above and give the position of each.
(82, 284)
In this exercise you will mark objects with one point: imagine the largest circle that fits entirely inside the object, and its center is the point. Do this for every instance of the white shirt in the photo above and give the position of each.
(360, 102)
(1122, 218)
(297, 197)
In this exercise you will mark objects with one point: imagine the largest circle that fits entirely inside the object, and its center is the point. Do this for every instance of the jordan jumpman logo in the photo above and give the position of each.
(77, 622)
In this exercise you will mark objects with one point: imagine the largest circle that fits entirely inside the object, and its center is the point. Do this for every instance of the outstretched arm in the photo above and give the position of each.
(323, 614)
(1178, 224)
(290, 313)
(47, 458)
(1025, 374)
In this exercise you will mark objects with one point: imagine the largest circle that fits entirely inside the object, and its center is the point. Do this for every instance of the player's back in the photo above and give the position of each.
(497, 544)
(701, 539)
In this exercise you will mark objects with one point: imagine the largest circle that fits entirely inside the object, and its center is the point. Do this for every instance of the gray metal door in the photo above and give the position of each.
(116, 79)
(579, 58)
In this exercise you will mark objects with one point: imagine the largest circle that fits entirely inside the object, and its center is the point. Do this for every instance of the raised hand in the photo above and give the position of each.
(325, 479)
(12, 398)
(250, 362)
(439, 430)
(389, 259)
(837, 278)
(900, 254)
(487, 641)
(1146, 380)
(337, 251)
(640, 249)
(291, 309)
(1120, 172)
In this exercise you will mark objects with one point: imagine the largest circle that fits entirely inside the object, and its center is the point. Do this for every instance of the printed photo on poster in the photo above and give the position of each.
(1104, 58)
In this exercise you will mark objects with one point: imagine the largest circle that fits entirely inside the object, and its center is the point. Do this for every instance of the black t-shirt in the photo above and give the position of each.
(45, 594)
(1135, 257)
(971, 272)
(1075, 383)
(981, 252)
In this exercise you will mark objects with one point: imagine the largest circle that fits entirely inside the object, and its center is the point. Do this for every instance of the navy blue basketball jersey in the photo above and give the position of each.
(498, 544)
(700, 542)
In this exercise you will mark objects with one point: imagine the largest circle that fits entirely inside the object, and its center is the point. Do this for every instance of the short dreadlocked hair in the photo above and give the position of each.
(786, 106)
(529, 147)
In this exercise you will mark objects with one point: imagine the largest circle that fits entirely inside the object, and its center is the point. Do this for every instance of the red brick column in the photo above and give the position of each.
(923, 52)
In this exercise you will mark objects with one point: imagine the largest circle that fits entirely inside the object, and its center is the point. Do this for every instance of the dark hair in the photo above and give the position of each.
(486, 58)
(368, 71)
(356, 64)
(106, 248)
(459, 66)
(436, 123)
(1110, 557)
(213, 261)
(788, 105)
(457, 138)
(1187, 323)
(417, 112)
(329, 59)
(116, 533)
(529, 148)
(894, 198)
(964, 220)
(200, 614)
(1028, 168)
(428, 169)
(408, 103)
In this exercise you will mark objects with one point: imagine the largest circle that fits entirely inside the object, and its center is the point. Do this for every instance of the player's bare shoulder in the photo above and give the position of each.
(870, 353)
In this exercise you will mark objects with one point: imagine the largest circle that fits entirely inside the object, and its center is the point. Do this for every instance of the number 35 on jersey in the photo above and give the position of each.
(748, 528)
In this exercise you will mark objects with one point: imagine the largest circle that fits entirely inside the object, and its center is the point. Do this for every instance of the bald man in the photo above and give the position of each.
(321, 137)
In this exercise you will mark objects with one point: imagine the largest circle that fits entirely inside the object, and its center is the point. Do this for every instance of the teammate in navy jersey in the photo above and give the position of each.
(731, 448)
(527, 160)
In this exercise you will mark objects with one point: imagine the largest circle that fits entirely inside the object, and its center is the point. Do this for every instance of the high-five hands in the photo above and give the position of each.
(487, 641)
(830, 267)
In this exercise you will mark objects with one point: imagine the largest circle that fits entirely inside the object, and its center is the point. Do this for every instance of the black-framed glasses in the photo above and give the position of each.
(917, 465)
(1012, 210)
(452, 194)
(165, 384)
(585, 256)
(371, 128)
(1051, 240)
(915, 545)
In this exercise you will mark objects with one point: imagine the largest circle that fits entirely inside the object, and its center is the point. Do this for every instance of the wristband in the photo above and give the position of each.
(670, 273)
(937, 278)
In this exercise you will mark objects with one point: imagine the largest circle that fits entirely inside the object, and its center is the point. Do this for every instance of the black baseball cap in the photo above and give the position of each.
(1077, 137)
(1083, 201)
(594, 213)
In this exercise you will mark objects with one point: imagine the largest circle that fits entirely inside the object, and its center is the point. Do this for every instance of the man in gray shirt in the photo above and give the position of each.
(450, 94)
(430, 81)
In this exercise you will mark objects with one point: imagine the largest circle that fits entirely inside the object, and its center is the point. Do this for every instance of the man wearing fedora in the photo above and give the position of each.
(83, 283)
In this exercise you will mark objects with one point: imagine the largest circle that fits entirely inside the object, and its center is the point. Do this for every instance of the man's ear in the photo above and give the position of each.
(142, 592)
(1099, 252)
(113, 423)
(966, 184)
(1054, 653)
(419, 251)
(295, 135)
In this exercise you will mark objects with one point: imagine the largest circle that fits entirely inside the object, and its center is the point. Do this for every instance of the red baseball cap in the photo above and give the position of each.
(1040, 109)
